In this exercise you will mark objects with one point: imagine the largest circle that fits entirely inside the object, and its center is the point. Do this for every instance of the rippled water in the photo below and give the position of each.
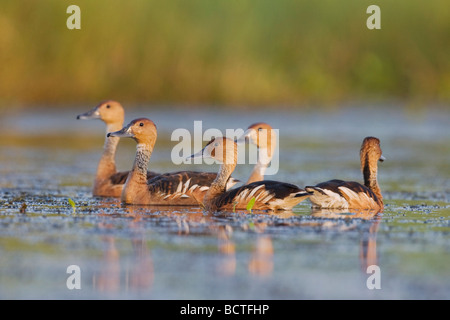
(48, 157)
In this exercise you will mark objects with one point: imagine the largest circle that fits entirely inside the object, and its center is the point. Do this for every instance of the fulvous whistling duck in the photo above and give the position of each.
(178, 188)
(268, 195)
(263, 136)
(108, 182)
(350, 194)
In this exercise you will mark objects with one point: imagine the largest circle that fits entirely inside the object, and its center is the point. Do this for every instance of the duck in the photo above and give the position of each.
(268, 195)
(264, 137)
(177, 188)
(108, 181)
(341, 194)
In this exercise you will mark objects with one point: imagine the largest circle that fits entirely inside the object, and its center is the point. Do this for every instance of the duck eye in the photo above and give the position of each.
(108, 106)
(141, 124)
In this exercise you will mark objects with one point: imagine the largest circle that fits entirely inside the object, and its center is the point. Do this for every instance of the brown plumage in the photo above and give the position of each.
(350, 194)
(264, 137)
(108, 182)
(177, 188)
(269, 195)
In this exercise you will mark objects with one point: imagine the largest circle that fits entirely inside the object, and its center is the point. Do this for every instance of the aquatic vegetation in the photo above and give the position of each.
(250, 204)
(72, 204)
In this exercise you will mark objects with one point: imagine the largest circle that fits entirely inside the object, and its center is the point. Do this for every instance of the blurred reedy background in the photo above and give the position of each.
(246, 53)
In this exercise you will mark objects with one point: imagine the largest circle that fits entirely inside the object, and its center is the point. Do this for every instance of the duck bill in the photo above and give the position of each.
(123, 133)
(199, 155)
(245, 138)
(92, 114)
(382, 158)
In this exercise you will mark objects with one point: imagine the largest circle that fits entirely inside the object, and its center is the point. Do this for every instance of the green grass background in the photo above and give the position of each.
(291, 53)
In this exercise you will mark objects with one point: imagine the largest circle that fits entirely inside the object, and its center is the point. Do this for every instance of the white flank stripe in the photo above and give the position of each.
(180, 186)
(350, 193)
(262, 195)
(254, 190)
(328, 200)
(266, 199)
(242, 195)
(186, 185)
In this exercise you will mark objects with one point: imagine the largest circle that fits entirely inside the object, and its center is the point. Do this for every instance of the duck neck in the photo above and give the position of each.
(370, 178)
(260, 167)
(140, 166)
(218, 186)
(107, 164)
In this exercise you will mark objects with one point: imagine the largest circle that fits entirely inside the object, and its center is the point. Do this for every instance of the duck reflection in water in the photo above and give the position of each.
(137, 277)
(227, 249)
(369, 227)
(194, 221)
(140, 275)
(261, 257)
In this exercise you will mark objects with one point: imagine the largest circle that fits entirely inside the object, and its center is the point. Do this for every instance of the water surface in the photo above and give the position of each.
(132, 252)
